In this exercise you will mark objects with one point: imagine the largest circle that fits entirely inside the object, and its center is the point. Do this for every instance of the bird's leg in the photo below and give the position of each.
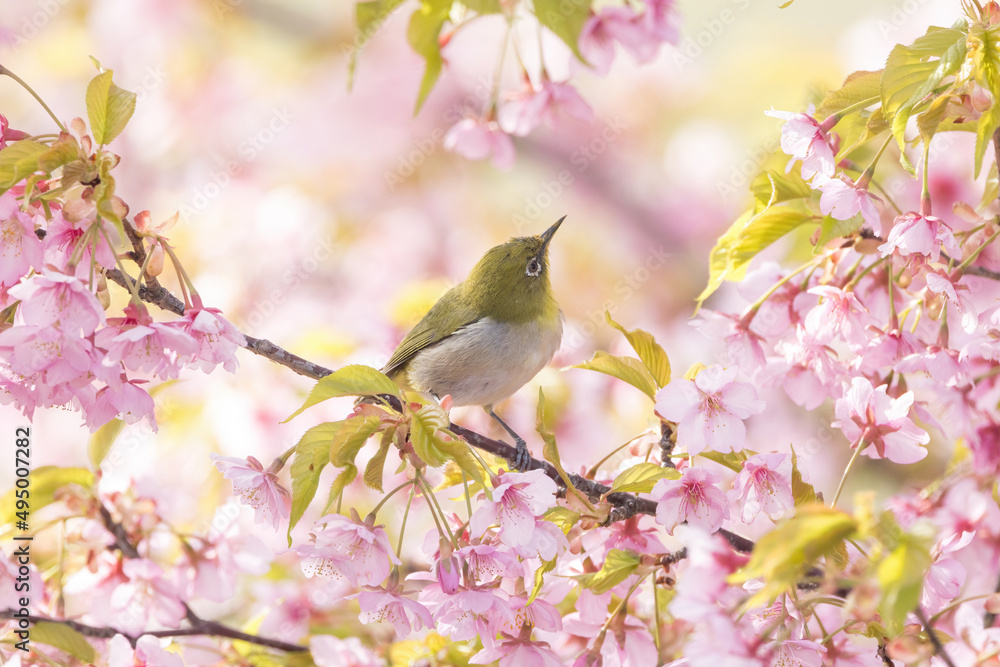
(522, 458)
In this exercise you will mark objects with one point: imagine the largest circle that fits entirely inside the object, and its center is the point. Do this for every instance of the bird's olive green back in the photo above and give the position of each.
(447, 316)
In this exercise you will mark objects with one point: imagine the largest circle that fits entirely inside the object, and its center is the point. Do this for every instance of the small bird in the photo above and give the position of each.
(489, 335)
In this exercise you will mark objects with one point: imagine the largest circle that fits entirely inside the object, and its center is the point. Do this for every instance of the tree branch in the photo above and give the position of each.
(198, 627)
(624, 505)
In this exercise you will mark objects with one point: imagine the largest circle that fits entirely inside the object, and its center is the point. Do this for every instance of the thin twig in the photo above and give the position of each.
(935, 642)
(122, 541)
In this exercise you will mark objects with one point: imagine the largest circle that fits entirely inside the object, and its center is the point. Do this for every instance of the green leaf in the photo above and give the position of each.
(64, 150)
(642, 477)
(109, 108)
(351, 437)
(346, 476)
(627, 369)
(550, 451)
(354, 380)
(901, 578)
(63, 638)
(43, 482)
(732, 460)
(368, 19)
(373, 471)
(312, 453)
(563, 517)
(748, 236)
(102, 440)
(910, 74)
(618, 566)
(650, 352)
(423, 32)
(909, 68)
(424, 427)
(831, 228)
(857, 87)
(984, 55)
(929, 121)
(786, 552)
(772, 187)
(547, 566)
(18, 161)
(565, 18)
(483, 6)
(802, 493)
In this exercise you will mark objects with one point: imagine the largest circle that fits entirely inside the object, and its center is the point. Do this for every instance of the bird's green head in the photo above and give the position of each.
(511, 282)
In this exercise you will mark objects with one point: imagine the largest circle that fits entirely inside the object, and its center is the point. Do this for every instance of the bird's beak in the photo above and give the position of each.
(547, 235)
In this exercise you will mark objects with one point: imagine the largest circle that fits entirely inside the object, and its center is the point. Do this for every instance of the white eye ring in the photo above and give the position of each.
(533, 268)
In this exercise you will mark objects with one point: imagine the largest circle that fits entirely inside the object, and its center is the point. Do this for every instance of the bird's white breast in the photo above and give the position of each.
(485, 362)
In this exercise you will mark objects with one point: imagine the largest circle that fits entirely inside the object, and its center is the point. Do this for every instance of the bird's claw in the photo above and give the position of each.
(521, 460)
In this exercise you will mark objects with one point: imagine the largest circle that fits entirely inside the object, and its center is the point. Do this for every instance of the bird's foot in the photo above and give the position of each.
(522, 457)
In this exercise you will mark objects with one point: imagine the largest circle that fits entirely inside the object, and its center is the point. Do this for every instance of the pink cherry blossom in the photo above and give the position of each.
(879, 423)
(406, 615)
(41, 367)
(942, 583)
(518, 497)
(362, 546)
(330, 651)
(601, 32)
(449, 573)
(140, 344)
(942, 365)
(813, 373)
(488, 562)
(843, 199)
(958, 294)
(916, 234)
(640, 35)
(474, 612)
(839, 313)
(531, 106)
(66, 231)
(546, 541)
(710, 410)
(217, 338)
(985, 445)
(20, 248)
(540, 614)
(798, 652)
(124, 399)
(764, 485)
(257, 488)
(147, 595)
(147, 653)
(886, 349)
(518, 652)
(804, 138)
(743, 346)
(625, 534)
(217, 560)
(719, 641)
(693, 498)
(477, 139)
(55, 300)
(632, 644)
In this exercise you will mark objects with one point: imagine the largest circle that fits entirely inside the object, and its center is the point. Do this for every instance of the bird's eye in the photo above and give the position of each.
(534, 267)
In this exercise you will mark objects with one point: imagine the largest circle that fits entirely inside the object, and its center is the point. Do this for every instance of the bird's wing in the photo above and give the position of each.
(426, 334)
